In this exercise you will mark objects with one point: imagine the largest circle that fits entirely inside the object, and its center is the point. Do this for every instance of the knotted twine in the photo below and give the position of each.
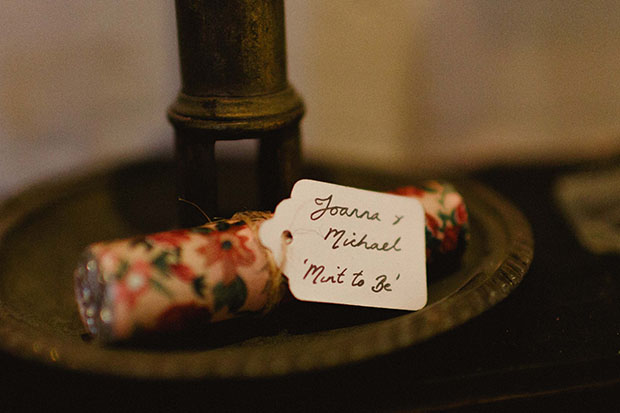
(276, 286)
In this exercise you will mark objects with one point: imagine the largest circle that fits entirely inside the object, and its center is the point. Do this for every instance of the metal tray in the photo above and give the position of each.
(44, 229)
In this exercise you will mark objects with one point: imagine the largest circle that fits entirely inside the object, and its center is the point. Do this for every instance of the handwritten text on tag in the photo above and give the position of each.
(338, 244)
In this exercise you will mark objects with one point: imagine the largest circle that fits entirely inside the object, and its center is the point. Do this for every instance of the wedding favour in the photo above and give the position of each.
(327, 243)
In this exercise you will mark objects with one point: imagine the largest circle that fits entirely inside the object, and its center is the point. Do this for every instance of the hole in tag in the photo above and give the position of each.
(287, 237)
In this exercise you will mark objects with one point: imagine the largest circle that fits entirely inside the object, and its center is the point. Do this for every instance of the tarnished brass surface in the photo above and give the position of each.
(231, 47)
(234, 86)
(237, 117)
(44, 229)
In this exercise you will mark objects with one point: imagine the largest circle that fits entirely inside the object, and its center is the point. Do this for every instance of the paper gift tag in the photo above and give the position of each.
(338, 244)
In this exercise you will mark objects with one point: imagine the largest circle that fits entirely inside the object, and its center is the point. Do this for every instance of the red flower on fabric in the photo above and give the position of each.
(431, 223)
(170, 238)
(450, 240)
(183, 317)
(183, 272)
(134, 282)
(461, 214)
(410, 190)
(228, 247)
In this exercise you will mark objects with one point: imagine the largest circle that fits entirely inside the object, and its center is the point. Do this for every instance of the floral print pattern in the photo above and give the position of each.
(446, 217)
(171, 238)
(229, 249)
(163, 281)
(134, 282)
(181, 279)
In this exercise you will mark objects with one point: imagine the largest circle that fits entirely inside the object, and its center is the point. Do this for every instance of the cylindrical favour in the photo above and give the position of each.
(184, 279)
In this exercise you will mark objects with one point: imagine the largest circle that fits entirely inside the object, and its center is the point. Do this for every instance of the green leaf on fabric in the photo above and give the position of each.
(160, 287)
(447, 189)
(198, 284)
(232, 295)
(428, 189)
(162, 262)
(201, 230)
(445, 218)
(122, 269)
(141, 240)
(222, 226)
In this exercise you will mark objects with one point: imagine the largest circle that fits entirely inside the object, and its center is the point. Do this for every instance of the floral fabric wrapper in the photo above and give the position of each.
(446, 219)
(185, 279)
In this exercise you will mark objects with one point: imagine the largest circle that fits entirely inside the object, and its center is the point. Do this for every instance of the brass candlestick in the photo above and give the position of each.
(234, 86)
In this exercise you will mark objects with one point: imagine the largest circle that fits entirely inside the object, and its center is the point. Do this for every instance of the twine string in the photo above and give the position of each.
(195, 205)
(276, 287)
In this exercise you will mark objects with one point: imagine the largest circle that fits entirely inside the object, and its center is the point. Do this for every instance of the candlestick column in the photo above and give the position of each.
(234, 86)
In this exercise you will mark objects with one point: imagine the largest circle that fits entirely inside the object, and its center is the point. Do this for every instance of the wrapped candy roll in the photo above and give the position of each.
(184, 279)
(446, 218)
(174, 280)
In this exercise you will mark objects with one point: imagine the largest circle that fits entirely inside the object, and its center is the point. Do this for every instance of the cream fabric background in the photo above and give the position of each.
(395, 84)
